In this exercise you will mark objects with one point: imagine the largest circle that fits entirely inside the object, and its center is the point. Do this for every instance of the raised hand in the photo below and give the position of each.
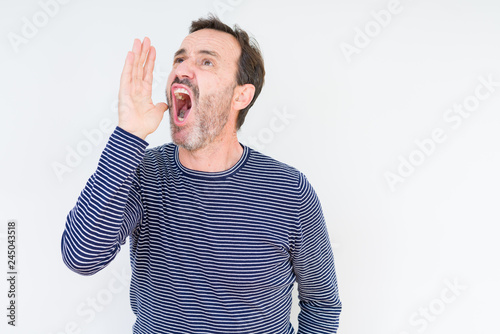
(137, 113)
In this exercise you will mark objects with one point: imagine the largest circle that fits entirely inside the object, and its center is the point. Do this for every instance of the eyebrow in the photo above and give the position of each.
(208, 52)
(179, 52)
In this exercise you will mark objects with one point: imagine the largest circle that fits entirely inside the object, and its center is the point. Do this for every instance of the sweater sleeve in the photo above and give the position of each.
(108, 209)
(314, 267)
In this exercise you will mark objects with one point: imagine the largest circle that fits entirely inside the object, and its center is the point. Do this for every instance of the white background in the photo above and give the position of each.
(397, 250)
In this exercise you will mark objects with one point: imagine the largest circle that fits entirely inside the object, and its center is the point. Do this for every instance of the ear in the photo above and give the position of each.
(243, 95)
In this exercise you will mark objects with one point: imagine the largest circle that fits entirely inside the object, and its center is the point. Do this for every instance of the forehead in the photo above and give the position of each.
(224, 44)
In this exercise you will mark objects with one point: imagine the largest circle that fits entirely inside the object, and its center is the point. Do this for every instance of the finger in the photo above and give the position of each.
(146, 44)
(136, 49)
(127, 70)
(150, 65)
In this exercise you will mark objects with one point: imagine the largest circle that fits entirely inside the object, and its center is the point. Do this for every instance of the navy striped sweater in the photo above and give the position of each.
(210, 252)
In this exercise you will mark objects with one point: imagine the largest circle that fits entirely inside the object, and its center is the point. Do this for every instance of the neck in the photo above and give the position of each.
(219, 155)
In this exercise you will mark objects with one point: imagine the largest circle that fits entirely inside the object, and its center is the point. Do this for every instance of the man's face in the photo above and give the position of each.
(201, 86)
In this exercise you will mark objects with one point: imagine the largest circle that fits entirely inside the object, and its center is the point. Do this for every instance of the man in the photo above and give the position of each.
(218, 232)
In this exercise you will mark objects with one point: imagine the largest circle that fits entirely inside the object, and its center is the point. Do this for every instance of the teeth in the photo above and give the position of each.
(181, 90)
(178, 93)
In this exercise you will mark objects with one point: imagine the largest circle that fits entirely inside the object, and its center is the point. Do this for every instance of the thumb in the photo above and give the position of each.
(162, 106)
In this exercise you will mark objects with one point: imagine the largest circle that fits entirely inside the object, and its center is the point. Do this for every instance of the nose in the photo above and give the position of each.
(185, 69)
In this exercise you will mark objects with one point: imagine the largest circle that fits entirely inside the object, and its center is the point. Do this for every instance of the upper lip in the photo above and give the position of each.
(177, 86)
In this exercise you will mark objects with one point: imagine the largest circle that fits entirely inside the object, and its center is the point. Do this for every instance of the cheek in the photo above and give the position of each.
(170, 79)
(171, 75)
(167, 90)
(214, 85)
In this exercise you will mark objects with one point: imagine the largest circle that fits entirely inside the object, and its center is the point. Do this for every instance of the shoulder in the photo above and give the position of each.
(158, 156)
(266, 166)
(168, 148)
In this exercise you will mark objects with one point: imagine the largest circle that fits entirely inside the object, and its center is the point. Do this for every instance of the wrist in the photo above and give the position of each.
(139, 134)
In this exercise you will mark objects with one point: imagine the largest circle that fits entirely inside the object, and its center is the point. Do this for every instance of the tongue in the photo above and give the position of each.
(184, 110)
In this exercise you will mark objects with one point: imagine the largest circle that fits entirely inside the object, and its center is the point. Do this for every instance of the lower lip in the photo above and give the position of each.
(183, 122)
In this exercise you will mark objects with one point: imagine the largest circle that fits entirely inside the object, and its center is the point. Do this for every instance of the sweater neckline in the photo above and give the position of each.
(211, 175)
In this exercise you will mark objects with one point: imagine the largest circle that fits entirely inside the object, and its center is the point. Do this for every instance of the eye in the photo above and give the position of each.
(178, 60)
(207, 62)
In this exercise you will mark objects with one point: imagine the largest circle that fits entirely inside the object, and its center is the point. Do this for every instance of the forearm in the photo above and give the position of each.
(96, 226)
(320, 317)
(318, 293)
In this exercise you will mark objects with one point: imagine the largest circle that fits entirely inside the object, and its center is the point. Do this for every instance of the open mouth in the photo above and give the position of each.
(182, 104)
